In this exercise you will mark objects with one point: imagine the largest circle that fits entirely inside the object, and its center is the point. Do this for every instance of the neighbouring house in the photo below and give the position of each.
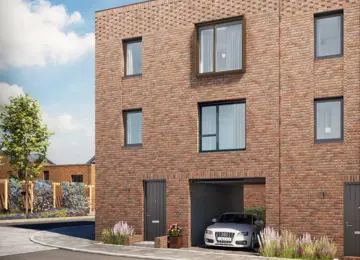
(5, 167)
(201, 103)
(57, 173)
(84, 173)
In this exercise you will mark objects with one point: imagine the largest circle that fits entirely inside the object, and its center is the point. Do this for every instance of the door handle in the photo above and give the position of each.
(347, 224)
(148, 214)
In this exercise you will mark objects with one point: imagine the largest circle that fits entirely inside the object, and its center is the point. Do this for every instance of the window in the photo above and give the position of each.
(46, 175)
(220, 46)
(222, 126)
(133, 57)
(329, 120)
(328, 35)
(133, 127)
(77, 178)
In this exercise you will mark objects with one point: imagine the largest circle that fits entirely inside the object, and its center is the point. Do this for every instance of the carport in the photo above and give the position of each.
(212, 197)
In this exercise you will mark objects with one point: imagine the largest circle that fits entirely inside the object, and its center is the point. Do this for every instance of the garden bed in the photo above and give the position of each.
(50, 213)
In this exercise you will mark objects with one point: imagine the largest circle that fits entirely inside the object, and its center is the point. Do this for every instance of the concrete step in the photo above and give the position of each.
(145, 244)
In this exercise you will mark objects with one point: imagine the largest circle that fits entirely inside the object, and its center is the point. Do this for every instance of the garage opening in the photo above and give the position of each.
(212, 197)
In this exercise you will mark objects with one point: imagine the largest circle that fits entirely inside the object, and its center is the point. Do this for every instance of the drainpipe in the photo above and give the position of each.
(280, 182)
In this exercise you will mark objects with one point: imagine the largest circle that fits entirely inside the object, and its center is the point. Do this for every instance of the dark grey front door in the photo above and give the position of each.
(352, 220)
(155, 209)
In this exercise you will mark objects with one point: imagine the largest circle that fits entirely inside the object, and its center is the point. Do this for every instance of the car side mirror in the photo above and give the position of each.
(259, 222)
(214, 220)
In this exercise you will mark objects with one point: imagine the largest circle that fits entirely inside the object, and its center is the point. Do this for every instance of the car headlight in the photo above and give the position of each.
(209, 232)
(243, 234)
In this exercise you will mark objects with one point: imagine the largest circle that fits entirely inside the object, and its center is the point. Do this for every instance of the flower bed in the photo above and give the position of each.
(287, 245)
(118, 235)
(50, 213)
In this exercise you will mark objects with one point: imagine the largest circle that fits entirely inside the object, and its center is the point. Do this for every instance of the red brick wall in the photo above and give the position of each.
(254, 195)
(308, 169)
(168, 93)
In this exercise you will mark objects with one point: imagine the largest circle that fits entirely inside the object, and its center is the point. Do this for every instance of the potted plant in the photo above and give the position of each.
(175, 237)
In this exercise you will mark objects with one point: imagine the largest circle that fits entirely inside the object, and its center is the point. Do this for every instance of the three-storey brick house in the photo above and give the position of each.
(197, 99)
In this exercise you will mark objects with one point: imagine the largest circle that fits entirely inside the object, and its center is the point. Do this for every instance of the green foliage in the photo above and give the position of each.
(260, 212)
(50, 213)
(108, 237)
(287, 245)
(175, 230)
(23, 133)
(270, 242)
(73, 195)
(15, 195)
(325, 248)
(43, 195)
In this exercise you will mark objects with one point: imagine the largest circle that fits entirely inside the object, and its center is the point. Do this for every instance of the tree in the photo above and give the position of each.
(23, 136)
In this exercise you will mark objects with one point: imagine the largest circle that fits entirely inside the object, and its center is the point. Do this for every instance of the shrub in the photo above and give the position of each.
(118, 234)
(307, 248)
(73, 195)
(108, 237)
(270, 242)
(289, 245)
(43, 195)
(325, 248)
(15, 195)
(122, 228)
(260, 212)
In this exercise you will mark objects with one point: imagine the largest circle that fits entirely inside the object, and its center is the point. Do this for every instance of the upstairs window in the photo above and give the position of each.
(133, 127)
(329, 120)
(133, 57)
(222, 126)
(46, 175)
(220, 46)
(328, 35)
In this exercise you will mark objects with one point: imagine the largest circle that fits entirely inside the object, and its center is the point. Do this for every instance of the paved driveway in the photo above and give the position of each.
(16, 241)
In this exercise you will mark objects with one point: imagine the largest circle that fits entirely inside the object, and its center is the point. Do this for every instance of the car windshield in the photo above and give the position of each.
(235, 218)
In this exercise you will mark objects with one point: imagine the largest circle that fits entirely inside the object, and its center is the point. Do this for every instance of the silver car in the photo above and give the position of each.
(234, 229)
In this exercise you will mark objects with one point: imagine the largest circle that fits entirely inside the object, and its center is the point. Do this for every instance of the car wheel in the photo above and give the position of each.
(253, 241)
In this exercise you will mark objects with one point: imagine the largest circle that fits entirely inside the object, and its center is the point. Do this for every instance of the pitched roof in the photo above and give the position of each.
(91, 161)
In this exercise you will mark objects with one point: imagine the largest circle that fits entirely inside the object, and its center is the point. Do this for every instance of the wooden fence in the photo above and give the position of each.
(57, 195)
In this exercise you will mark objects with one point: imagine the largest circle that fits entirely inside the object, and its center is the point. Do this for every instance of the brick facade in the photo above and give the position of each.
(282, 79)
(254, 195)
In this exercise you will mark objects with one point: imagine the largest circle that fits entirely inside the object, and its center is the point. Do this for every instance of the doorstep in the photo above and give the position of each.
(149, 244)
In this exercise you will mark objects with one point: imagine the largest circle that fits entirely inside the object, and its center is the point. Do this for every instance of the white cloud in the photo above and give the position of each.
(37, 33)
(7, 91)
(67, 123)
(73, 141)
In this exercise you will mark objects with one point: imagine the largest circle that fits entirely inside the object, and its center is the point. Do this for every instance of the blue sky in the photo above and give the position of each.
(50, 55)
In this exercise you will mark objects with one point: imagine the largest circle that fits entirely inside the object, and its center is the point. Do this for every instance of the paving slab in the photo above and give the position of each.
(65, 238)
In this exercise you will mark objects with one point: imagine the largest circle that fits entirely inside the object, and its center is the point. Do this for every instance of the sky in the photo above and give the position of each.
(47, 50)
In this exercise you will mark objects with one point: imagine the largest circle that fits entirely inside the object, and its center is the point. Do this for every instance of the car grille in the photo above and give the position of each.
(224, 237)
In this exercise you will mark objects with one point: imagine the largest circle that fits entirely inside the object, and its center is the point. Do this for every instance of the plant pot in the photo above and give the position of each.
(175, 242)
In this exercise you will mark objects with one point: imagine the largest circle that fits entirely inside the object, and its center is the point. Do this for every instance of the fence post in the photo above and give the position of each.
(90, 195)
(6, 194)
(54, 194)
(31, 197)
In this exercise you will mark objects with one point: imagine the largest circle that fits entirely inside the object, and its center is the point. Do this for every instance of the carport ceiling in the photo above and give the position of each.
(230, 181)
